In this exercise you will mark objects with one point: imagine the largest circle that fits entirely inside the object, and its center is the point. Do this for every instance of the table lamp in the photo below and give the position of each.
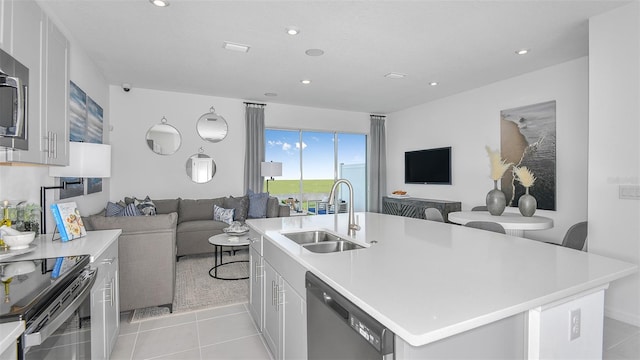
(86, 160)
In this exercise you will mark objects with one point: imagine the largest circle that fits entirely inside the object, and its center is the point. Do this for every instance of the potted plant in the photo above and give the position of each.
(32, 217)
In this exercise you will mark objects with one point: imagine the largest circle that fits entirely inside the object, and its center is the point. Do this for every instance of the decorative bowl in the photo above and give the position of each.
(17, 242)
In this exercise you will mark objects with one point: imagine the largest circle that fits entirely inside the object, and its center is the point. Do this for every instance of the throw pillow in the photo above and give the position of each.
(222, 214)
(240, 205)
(257, 205)
(146, 206)
(130, 210)
(113, 209)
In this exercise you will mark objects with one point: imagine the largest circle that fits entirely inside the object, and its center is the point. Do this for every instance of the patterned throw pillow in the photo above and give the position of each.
(222, 214)
(146, 206)
(130, 210)
(113, 209)
(257, 205)
(241, 206)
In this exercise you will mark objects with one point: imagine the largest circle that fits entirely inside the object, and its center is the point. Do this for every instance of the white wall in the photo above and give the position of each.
(614, 149)
(137, 171)
(471, 120)
(23, 182)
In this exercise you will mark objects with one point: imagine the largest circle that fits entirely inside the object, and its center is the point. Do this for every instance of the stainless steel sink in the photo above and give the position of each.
(311, 237)
(332, 246)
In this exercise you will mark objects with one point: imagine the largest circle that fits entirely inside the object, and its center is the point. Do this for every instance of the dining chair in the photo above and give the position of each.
(576, 236)
(486, 225)
(479, 208)
(433, 214)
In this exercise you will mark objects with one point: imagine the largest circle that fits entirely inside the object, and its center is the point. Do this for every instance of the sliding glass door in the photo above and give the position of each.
(311, 162)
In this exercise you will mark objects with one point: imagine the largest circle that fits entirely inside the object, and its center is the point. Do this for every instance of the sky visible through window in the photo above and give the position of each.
(317, 149)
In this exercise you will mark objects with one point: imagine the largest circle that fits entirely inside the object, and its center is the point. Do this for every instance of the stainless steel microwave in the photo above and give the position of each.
(14, 97)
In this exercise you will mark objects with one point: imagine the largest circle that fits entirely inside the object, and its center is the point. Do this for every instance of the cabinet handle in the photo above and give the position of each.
(113, 290)
(51, 144)
(278, 300)
(55, 145)
(273, 293)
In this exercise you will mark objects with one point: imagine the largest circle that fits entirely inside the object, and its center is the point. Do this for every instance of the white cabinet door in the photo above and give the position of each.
(56, 97)
(256, 288)
(6, 8)
(272, 311)
(295, 324)
(27, 31)
(105, 307)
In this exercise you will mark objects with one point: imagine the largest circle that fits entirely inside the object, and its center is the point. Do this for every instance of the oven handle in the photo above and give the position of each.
(37, 338)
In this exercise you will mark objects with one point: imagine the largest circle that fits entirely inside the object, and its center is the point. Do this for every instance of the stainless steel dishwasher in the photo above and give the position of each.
(338, 329)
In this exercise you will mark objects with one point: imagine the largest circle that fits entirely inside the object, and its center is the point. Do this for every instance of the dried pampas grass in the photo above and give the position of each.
(524, 176)
(498, 166)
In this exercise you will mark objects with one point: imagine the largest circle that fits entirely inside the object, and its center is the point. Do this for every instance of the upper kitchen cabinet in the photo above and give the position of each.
(55, 123)
(37, 43)
(22, 38)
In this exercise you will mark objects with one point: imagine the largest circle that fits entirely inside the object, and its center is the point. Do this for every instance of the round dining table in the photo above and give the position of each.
(513, 223)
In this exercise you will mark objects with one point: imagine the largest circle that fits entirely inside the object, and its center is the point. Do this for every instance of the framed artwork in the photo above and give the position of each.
(71, 190)
(85, 125)
(528, 138)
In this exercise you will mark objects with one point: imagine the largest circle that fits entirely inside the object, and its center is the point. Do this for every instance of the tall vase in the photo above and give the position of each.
(527, 204)
(496, 201)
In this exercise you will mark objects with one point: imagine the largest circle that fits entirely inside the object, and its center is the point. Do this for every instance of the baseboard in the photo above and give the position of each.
(625, 317)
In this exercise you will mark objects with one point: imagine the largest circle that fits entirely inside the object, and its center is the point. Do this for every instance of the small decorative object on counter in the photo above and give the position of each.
(31, 217)
(527, 204)
(496, 201)
(5, 222)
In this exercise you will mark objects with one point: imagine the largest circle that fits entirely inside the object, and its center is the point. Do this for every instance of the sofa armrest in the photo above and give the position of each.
(284, 211)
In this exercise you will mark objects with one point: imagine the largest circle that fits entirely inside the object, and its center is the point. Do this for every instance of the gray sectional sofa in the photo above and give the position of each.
(149, 246)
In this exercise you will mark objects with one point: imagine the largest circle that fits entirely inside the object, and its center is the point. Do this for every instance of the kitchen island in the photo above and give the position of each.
(432, 282)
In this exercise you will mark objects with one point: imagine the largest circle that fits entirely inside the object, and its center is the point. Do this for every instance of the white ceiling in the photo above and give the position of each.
(460, 44)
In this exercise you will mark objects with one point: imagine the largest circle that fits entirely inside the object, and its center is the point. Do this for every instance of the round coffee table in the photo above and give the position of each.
(220, 240)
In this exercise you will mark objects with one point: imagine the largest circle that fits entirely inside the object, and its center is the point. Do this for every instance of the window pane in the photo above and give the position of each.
(280, 146)
(352, 165)
(318, 169)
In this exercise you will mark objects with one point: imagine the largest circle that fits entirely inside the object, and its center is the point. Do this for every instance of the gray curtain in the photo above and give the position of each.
(377, 163)
(254, 154)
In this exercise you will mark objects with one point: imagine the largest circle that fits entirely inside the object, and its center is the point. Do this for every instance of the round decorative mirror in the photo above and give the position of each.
(200, 167)
(163, 139)
(212, 127)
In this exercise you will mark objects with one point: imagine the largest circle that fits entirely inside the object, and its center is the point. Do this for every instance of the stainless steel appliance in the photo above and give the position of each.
(338, 329)
(51, 295)
(14, 95)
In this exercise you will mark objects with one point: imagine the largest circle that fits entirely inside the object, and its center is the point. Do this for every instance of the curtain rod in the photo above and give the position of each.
(252, 103)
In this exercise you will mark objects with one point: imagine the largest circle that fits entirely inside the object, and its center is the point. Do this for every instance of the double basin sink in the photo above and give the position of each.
(319, 241)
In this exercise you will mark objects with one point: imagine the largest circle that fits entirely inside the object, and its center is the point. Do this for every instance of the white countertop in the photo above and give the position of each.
(93, 244)
(426, 280)
(10, 332)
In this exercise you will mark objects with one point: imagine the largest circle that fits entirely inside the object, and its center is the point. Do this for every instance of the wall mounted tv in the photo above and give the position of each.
(429, 166)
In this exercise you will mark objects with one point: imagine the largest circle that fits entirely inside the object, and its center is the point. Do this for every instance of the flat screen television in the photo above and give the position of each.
(429, 166)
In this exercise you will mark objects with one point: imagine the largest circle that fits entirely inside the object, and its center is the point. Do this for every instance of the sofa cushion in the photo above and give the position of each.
(257, 205)
(222, 214)
(146, 206)
(273, 207)
(201, 209)
(166, 206)
(113, 209)
(133, 224)
(240, 205)
(215, 227)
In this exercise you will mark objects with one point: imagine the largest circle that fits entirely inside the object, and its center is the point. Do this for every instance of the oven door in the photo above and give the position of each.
(63, 330)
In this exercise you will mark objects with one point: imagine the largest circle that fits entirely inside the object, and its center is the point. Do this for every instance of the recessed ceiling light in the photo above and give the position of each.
(395, 75)
(270, 94)
(292, 30)
(236, 47)
(306, 81)
(314, 52)
(522, 51)
(433, 83)
(159, 3)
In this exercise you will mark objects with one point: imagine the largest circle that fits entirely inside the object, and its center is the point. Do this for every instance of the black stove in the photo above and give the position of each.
(28, 286)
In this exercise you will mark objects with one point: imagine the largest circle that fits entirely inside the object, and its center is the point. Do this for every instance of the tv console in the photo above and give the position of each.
(414, 207)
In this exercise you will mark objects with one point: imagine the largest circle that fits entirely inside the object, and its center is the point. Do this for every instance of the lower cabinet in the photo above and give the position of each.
(105, 307)
(256, 288)
(285, 317)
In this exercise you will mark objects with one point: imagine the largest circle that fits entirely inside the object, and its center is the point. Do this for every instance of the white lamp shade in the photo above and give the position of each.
(86, 160)
(270, 168)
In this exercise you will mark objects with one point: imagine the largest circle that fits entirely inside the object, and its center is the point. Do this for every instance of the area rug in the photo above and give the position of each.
(195, 289)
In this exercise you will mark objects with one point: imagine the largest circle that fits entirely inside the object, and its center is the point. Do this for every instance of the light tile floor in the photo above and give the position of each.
(229, 333)
(217, 333)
